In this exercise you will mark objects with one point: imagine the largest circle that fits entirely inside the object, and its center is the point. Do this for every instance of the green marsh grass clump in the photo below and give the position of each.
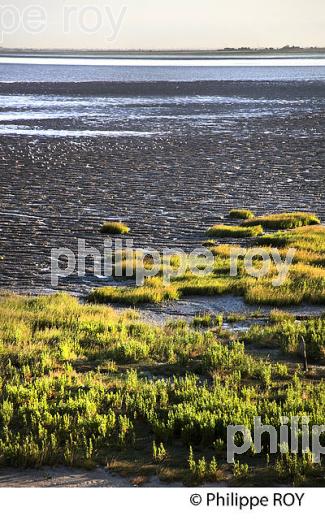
(241, 214)
(304, 282)
(222, 230)
(240, 470)
(285, 333)
(313, 332)
(153, 291)
(207, 320)
(205, 286)
(159, 452)
(201, 469)
(283, 220)
(114, 228)
(279, 315)
(224, 250)
(290, 466)
(309, 240)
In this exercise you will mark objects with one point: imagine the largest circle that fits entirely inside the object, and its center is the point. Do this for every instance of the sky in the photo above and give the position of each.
(161, 24)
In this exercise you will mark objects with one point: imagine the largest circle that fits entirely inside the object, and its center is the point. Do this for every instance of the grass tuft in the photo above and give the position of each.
(114, 228)
(221, 230)
(241, 214)
(283, 220)
(152, 292)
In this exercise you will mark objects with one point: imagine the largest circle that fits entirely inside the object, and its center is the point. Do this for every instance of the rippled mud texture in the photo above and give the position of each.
(200, 161)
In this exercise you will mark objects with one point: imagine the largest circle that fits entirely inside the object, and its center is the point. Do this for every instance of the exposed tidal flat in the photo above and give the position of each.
(148, 394)
(169, 164)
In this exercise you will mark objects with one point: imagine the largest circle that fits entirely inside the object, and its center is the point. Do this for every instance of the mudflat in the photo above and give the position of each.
(169, 159)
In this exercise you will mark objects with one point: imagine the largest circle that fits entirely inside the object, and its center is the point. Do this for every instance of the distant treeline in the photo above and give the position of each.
(145, 52)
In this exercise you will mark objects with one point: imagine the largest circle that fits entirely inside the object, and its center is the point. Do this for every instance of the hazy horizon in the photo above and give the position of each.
(158, 50)
(118, 25)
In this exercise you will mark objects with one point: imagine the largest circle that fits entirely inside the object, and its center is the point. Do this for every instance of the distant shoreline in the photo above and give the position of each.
(284, 52)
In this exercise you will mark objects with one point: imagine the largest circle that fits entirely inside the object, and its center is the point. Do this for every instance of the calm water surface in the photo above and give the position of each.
(38, 69)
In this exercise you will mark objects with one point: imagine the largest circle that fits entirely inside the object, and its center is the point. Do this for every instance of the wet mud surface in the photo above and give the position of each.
(189, 160)
(225, 305)
(62, 476)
